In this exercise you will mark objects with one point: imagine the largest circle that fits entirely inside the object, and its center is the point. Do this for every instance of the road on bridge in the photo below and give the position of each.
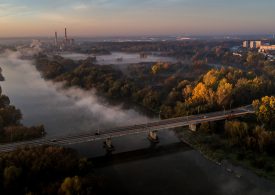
(90, 136)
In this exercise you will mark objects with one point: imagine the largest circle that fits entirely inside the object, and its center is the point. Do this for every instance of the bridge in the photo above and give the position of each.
(151, 128)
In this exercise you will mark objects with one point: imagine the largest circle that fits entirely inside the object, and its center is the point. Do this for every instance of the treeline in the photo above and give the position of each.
(164, 87)
(257, 135)
(140, 85)
(10, 127)
(250, 140)
(46, 170)
(212, 50)
(250, 137)
(216, 90)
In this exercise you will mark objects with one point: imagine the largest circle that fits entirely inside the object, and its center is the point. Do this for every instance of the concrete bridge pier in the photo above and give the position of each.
(108, 145)
(193, 127)
(153, 137)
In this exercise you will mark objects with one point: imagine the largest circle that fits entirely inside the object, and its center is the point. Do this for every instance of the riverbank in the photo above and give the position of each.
(11, 129)
(227, 157)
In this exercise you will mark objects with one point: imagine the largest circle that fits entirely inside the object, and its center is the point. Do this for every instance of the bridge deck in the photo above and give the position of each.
(129, 130)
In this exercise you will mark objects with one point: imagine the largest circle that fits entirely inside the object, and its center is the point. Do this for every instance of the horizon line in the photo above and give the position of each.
(144, 35)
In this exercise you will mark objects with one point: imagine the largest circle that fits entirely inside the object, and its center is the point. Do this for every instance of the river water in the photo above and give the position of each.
(125, 58)
(137, 167)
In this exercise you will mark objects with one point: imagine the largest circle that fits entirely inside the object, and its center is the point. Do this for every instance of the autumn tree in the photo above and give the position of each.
(224, 93)
(237, 131)
(71, 186)
(262, 137)
(265, 109)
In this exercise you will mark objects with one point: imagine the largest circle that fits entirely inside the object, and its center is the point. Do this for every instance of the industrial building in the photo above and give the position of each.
(65, 43)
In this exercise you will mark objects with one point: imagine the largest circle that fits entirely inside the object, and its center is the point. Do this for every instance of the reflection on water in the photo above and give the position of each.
(181, 171)
(125, 58)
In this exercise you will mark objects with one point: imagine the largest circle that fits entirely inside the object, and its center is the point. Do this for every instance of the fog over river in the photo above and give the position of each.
(179, 170)
(119, 58)
(61, 111)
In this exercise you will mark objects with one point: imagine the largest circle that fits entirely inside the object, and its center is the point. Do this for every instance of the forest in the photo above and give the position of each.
(47, 170)
(173, 89)
(187, 87)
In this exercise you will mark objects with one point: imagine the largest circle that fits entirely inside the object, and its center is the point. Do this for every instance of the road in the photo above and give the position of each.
(160, 125)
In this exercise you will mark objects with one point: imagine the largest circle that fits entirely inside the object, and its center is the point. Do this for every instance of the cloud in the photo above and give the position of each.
(13, 10)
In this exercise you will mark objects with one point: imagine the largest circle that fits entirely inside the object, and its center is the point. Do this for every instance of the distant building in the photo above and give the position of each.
(266, 48)
(255, 44)
(245, 44)
(252, 44)
(263, 46)
(66, 43)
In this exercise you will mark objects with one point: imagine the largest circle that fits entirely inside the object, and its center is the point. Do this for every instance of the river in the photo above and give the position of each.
(137, 167)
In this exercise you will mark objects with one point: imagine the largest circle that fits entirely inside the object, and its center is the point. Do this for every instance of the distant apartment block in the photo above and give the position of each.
(262, 46)
(252, 44)
(255, 44)
(245, 44)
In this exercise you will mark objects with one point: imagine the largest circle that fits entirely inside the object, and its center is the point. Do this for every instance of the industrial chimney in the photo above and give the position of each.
(55, 41)
(66, 38)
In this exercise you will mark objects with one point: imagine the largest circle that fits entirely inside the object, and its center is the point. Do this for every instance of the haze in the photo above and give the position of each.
(19, 18)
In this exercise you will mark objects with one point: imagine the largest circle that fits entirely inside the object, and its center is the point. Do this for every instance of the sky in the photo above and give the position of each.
(91, 18)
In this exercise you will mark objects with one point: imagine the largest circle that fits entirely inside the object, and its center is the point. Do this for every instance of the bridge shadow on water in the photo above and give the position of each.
(153, 151)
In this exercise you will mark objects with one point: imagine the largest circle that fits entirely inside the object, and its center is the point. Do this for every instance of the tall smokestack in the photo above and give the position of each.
(66, 38)
(55, 41)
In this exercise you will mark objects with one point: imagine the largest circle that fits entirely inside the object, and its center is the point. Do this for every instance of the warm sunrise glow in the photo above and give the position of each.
(131, 17)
